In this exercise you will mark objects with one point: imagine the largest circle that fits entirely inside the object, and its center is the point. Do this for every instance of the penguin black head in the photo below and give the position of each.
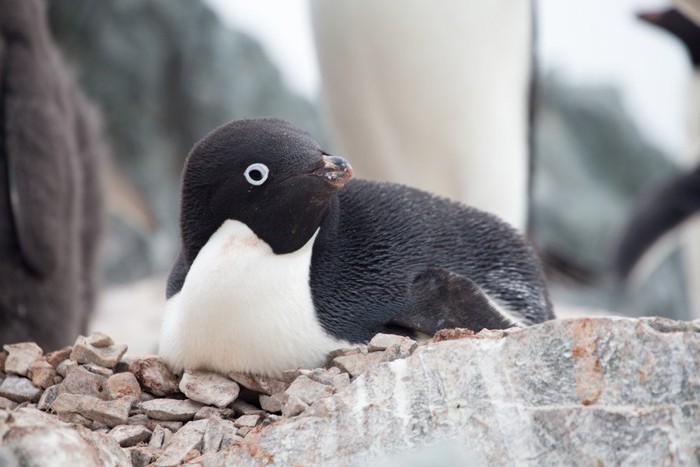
(265, 173)
(675, 22)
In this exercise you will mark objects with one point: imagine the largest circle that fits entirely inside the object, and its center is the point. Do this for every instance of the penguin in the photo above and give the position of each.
(284, 257)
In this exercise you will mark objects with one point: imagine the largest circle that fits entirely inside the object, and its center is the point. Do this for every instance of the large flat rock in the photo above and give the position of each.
(600, 391)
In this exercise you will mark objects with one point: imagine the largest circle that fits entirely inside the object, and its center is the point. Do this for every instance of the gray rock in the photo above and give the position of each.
(332, 377)
(273, 403)
(80, 381)
(98, 370)
(99, 339)
(36, 438)
(48, 396)
(209, 388)
(171, 409)
(158, 437)
(65, 366)
(7, 404)
(150, 423)
(141, 456)
(294, 406)
(383, 341)
(123, 385)
(110, 413)
(188, 438)
(215, 432)
(241, 407)
(130, 435)
(356, 364)
(154, 376)
(257, 383)
(3, 359)
(569, 392)
(20, 357)
(19, 389)
(346, 351)
(208, 412)
(248, 421)
(230, 439)
(57, 356)
(308, 390)
(84, 352)
(43, 374)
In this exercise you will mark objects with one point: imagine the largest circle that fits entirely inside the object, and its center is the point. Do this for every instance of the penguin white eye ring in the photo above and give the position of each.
(257, 174)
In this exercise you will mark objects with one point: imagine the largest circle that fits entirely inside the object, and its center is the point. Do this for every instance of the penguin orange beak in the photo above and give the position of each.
(335, 170)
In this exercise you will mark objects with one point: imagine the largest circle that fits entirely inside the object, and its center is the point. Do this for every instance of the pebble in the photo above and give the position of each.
(241, 407)
(333, 377)
(98, 370)
(171, 409)
(141, 456)
(382, 342)
(99, 339)
(273, 403)
(65, 366)
(209, 412)
(158, 436)
(57, 356)
(43, 373)
(357, 364)
(123, 385)
(248, 420)
(294, 406)
(258, 383)
(20, 357)
(150, 423)
(215, 432)
(188, 438)
(130, 435)
(308, 390)
(110, 413)
(230, 440)
(19, 389)
(80, 381)
(7, 404)
(209, 388)
(84, 352)
(345, 352)
(154, 376)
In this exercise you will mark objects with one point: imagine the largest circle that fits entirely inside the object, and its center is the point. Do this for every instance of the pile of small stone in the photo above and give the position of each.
(160, 418)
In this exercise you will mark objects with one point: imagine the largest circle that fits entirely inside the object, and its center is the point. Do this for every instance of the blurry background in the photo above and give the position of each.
(610, 126)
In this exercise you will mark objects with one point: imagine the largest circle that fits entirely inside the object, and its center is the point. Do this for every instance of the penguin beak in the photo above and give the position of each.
(335, 171)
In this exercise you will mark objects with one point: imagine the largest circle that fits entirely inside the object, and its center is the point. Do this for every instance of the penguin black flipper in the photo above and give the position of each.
(177, 276)
(442, 299)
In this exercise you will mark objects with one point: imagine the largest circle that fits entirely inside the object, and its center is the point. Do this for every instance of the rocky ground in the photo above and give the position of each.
(589, 391)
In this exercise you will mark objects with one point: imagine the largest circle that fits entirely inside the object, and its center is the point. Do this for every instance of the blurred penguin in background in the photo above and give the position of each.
(50, 186)
(435, 95)
(678, 200)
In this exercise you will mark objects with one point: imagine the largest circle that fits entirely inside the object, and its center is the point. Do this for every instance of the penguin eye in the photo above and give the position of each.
(256, 174)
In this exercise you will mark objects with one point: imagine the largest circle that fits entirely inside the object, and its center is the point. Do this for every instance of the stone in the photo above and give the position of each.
(452, 334)
(215, 432)
(43, 374)
(590, 391)
(48, 396)
(98, 370)
(20, 357)
(7, 404)
(241, 407)
(154, 376)
(229, 440)
(208, 412)
(19, 389)
(356, 364)
(258, 383)
(65, 366)
(108, 357)
(80, 381)
(248, 421)
(308, 390)
(3, 359)
(273, 403)
(382, 342)
(110, 413)
(57, 356)
(345, 352)
(209, 388)
(35, 438)
(188, 438)
(141, 456)
(289, 376)
(331, 376)
(150, 423)
(243, 431)
(123, 385)
(171, 409)
(98, 339)
(158, 437)
(294, 406)
(130, 435)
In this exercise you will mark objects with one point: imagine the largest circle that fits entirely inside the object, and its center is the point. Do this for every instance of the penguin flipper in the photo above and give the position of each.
(442, 299)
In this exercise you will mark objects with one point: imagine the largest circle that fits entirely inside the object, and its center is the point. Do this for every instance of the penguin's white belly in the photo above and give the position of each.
(244, 308)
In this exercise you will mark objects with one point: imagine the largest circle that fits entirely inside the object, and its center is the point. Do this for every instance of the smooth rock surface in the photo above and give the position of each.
(20, 357)
(110, 413)
(209, 388)
(130, 435)
(85, 352)
(171, 409)
(19, 389)
(571, 392)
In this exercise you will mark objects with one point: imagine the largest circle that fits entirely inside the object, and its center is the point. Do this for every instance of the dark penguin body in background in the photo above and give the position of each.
(50, 196)
(359, 258)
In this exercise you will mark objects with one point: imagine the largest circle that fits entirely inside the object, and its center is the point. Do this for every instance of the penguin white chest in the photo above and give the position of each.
(244, 308)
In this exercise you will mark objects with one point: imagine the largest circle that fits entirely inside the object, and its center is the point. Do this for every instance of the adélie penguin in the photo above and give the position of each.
(285, 258)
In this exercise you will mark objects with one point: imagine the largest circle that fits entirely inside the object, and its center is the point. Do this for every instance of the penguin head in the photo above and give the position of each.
(266, 173)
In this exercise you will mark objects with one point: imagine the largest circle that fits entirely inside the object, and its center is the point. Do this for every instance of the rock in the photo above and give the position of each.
(84, 352)
(158, 437)
(98, 339)
(273, 403)
(332, 376)
(189, 437)
(7, 404)
(20, 357)
(345, 352)
(130, 435)
(154, 376)
(568, 392)
(57, 356)
(452, 334)
(141, 456)
(294, 406)
(65, 366)
(383, 341)
(209, 388)
(358, 363)
(43, 374)
(257, 383)
(248, 421)
(208, 412)
(80, 381)
(150, 423)
(123, 385)
(48, 396)
(98, 370)
(215, 432)
(308, 390)
(35, 438)
(19, 389)
(110, 413)
(3, 359)
(171, 409)
(241, 407)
